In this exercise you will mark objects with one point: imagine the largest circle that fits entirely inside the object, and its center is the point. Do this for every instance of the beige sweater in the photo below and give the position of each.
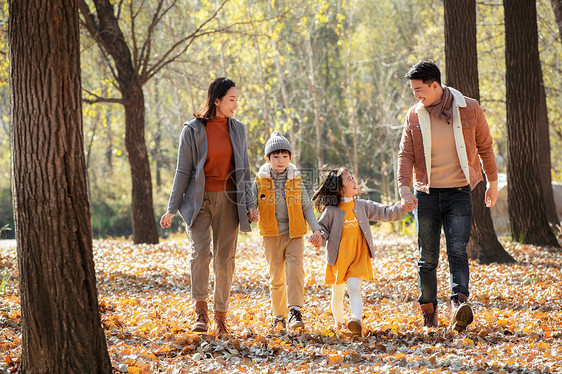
(446, 169)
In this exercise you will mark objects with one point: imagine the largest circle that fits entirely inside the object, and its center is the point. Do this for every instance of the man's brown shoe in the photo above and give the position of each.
(462, 313)
(201, 319)
(220, 323)
(429, 313)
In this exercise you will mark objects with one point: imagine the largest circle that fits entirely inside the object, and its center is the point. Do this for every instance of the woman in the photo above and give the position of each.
(212, 191)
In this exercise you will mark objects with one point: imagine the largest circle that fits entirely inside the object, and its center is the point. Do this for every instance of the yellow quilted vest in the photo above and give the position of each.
(266, 206)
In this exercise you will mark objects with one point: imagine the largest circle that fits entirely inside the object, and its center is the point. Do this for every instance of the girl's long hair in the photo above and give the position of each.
(328, 192)
(217, 89)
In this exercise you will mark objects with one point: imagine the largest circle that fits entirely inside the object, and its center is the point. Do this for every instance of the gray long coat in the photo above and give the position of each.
(189, 182)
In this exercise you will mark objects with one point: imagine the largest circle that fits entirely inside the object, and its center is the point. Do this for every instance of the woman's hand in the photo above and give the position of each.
(253, 215)
(166, 220)
(316, 239)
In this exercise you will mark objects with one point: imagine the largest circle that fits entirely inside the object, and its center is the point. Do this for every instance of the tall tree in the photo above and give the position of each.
(132, 66)
(61, 327)
(545, 161)
(545, 164)
(527, 213)
(461, 61)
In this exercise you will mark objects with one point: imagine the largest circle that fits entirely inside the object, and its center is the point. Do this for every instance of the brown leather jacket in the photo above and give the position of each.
(472, 138)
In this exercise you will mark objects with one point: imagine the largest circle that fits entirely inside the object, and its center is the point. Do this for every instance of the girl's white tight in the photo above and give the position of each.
(355, 299)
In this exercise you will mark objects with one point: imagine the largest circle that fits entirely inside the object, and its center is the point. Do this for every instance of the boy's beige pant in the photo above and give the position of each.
(286, 273)
(218, 217)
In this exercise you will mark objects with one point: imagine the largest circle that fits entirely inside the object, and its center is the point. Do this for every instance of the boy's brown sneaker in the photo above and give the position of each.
(462, 313)
(279, 322)
(295, 319)
(429, 313)
(354, 325)
(202, 318)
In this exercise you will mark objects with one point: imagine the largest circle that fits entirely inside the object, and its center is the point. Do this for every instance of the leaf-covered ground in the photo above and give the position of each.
(146, 313)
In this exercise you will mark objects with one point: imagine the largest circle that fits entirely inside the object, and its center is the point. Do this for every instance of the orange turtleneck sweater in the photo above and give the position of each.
(219, 165)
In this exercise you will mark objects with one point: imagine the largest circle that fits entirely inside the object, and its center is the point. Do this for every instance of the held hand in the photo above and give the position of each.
(253, 215)
(316, 239)
(491, 194)
(166, 220)
(409, 202)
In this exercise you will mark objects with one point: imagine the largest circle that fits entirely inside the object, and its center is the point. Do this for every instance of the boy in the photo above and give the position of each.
(285, 209)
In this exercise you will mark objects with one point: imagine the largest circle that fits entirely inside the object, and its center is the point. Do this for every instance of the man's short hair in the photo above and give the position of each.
(427, 71)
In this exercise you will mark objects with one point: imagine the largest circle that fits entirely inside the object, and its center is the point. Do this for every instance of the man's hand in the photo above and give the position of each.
(316, 238)
(491, 194)
(409, 202)
(253, 215)
(166, 220)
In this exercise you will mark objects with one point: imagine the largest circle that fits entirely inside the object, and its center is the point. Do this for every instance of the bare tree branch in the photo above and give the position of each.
(147, 46)
(119, 7)
(199, 32)
(100, 99)
(135, 53)
(89, 21)
(109, 63)
(150, 72)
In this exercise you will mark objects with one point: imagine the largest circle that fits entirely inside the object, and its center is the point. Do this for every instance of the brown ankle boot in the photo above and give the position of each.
(461, 313)
(201, 319)
(220, 323)
(429, 313)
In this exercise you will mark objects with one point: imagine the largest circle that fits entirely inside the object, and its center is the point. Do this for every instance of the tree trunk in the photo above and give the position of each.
(61, 326)
(109, 145)
(351, 98)
(158, 136)
(295, 141)
(144, 225)
(109, 35)
(294, 134)
(545, 165)
(544, 135)
(527, 213)
(316, 101)
(265, 106)
(461, 60)
(557, 8)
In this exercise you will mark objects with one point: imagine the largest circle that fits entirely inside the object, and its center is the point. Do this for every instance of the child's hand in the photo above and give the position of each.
(316, 239)
(253, 215)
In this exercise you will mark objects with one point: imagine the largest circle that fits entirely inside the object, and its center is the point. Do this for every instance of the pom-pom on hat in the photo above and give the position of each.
(276, 142)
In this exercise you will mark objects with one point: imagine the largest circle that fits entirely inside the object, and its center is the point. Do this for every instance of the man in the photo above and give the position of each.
(445, 142)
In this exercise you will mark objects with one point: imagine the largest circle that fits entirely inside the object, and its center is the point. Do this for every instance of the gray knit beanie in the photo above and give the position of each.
(276, 142)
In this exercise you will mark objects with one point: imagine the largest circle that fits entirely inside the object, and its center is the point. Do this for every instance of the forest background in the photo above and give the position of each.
(325, 67)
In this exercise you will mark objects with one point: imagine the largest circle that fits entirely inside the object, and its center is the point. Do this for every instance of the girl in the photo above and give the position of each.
(212, 192)
(345, 226)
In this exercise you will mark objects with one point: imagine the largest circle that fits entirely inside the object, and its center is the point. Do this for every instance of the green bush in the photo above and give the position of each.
(110, 218)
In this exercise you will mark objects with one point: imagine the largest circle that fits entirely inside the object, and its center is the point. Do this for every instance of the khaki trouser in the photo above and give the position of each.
(286, 273)
(218, 215)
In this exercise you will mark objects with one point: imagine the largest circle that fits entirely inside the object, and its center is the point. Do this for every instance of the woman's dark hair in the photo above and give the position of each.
(217, 90)
(426, 71)
(329, 190)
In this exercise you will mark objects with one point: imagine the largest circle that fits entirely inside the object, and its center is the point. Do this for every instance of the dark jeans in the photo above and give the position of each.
(451, 209)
